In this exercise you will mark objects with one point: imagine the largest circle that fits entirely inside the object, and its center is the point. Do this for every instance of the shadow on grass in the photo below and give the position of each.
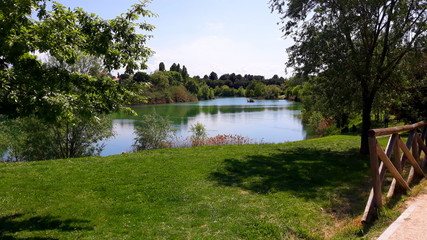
(340, 177)
(16, 223)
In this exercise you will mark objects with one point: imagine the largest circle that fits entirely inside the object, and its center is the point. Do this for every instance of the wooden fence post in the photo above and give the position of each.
(416, 142)
(376, 183)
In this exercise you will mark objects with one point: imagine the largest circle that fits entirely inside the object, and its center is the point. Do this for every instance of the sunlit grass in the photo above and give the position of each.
(312, 189)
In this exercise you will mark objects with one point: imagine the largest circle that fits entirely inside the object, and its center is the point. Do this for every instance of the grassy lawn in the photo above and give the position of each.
(312, 189)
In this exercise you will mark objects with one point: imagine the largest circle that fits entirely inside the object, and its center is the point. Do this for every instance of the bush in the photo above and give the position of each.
(180, 94)
(224, 139)
(199, 135)
(153, 132)
(31, 139)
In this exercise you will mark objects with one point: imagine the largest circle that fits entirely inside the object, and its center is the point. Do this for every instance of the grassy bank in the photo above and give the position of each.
(312, 189)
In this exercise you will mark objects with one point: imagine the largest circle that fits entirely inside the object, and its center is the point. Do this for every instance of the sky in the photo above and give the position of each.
(224, 36)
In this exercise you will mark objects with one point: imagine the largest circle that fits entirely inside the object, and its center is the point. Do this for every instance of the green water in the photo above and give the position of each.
(269, 121)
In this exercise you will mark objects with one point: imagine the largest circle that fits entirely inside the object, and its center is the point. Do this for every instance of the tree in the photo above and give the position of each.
(362, 40)
(259, 90)
(192, 86)
(175, 78)
(173, 67)
(205, 92)
(411, 103)
(213, 76)
(272, 92)
(153, 132)
(124, 76)
(184, 72)
(32, 139)
(162, 67)
(141, 77)
(159, 80)
(28, 87)
(224, 77)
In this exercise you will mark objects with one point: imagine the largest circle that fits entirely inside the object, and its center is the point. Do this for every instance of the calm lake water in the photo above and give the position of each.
(268, 121)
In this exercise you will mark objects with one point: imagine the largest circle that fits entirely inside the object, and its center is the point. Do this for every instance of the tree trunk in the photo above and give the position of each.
(368, 100)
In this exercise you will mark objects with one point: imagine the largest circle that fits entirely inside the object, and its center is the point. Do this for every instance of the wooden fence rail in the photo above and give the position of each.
(394, 159)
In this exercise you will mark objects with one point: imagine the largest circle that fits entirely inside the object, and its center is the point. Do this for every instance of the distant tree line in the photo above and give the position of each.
(176, 85)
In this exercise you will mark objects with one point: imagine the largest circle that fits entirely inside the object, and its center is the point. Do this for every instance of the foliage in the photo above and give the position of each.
(180, 94)
(184, 72)
(213, 76)
(192, 86)
(32, 139)
(359, 42)
(162, 67)
(256, 89)
(141, 77)
(205, 92)
(153, 132)
(227, 139)
(319, 95)
(159, 80)
(225, 91)
(241, 92)
(410, 104)
(272, 92)
(227, 85)
(27, 87)
(199, 135)
(139, 90)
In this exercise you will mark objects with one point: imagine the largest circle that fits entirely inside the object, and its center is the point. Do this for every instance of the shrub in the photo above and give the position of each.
(199, 134)
(153, 132)
(31, 139)
(224, 139)
(180, 94)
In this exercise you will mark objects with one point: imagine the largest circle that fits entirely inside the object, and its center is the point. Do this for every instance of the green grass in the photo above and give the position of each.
(312, 189)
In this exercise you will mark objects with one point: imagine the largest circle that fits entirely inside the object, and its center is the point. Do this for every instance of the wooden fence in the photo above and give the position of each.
(399, 159)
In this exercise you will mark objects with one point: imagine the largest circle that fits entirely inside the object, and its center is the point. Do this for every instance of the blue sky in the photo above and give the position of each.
(224, 36)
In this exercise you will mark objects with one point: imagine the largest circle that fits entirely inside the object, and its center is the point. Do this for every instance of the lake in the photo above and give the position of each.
(263, 121)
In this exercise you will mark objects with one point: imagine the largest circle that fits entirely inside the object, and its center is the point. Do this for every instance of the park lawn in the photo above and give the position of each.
(313, 189)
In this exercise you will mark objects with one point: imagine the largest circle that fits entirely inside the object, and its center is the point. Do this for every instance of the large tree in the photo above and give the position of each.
(162, 67)
(363, 40)
(30, 28)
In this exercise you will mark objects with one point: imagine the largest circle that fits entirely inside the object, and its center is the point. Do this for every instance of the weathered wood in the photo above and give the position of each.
(397, 157)
(388, 131)
(424, 134)
(411, 138)
(391, 168)
(402, 161)
(415, 149)
(392, 142)
(416, 155)
(411, 158)
(411, 175)
(423, 147)
(421, 144)
(367, 214)
(376, 183)
(370, 204)
(398, 165)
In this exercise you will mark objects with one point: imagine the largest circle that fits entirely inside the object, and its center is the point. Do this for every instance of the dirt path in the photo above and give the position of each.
(411, 225)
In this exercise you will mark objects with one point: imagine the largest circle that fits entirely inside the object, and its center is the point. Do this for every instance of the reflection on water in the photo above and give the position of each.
(268, 121)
